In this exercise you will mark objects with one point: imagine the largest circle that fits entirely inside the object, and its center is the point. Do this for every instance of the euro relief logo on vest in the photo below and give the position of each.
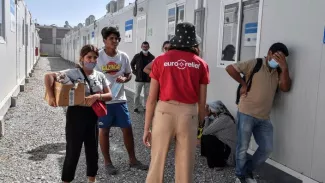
(182, 64)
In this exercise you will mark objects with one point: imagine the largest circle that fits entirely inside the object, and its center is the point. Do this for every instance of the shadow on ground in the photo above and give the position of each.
(273, 175)
(40, 153)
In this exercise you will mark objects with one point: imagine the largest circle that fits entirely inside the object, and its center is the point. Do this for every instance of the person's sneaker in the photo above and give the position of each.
(240, 180)
(139, 165)
(250, 178)
(110, 169)
(136, 110)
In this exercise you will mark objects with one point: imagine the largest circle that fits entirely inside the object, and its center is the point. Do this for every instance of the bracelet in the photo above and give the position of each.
(100, 97)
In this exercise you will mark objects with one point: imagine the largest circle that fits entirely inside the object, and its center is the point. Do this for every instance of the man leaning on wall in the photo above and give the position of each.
(256, 100)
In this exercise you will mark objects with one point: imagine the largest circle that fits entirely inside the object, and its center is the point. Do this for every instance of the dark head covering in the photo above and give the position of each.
(185, 36)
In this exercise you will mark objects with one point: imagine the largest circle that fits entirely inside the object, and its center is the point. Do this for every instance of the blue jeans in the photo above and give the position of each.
(263, 135)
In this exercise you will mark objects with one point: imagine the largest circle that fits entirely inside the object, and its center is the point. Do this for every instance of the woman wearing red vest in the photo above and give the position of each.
(181, 77)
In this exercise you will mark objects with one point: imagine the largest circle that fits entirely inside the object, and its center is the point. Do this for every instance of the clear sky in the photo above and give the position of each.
(74, 11)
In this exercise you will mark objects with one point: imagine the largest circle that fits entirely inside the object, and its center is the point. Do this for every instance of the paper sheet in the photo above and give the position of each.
(116, 87)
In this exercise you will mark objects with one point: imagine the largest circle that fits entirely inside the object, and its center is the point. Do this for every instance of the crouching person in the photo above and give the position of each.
(218, 141)
(81, 121)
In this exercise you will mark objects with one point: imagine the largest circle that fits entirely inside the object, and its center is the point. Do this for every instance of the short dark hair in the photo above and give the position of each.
(228, 47)
(146, 43)
(279, 47)
(107, 31)
(166, 42)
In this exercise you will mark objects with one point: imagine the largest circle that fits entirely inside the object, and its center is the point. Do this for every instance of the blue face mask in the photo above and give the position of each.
(211, 118)
(90, 65)
(273, 64)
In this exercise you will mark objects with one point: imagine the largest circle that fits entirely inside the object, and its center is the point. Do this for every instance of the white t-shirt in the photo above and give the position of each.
(113, 67)
(97, 80)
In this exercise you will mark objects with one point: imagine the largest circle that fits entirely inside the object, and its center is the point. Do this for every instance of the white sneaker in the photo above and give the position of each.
(240, 180)
(250, 180)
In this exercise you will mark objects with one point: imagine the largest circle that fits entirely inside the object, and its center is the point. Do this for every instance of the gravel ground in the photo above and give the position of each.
(33, 148)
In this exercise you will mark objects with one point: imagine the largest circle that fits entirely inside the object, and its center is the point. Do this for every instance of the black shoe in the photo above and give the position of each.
(136, 110)
(110, 169)
(138, 165)
(250, 178)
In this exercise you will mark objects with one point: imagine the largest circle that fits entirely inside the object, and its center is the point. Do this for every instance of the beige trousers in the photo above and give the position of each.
(173, 120)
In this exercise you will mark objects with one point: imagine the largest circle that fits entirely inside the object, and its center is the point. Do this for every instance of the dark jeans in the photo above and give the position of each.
(81, 127)
(216, 152)
(263, 135)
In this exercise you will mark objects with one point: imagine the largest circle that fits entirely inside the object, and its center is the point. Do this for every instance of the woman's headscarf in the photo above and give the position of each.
(219, 108)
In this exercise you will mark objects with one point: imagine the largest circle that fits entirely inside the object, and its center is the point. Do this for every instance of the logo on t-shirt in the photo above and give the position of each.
(182, 64)
(111, 68)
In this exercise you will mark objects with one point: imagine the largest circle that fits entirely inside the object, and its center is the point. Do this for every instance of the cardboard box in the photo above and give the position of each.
(68, 95)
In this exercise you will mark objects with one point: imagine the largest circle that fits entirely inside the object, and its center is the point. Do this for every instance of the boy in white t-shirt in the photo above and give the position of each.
(116, 67)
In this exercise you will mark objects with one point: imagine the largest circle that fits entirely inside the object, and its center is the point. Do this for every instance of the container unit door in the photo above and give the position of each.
(76, 51)
(26, 45)
(21, 40)
(19, 44)
(33, 48)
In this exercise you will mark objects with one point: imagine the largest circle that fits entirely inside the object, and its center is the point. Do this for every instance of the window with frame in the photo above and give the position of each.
(238, 31)
(176, 14)
(2, 19)
(199, 20)
(180, 14)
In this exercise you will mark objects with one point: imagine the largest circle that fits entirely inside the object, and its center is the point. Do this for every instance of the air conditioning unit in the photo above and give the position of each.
(91, 19)
(87, 21)
(120, 4)
(113, 6)
(67, 25)
(80, 25)
(108, 7)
